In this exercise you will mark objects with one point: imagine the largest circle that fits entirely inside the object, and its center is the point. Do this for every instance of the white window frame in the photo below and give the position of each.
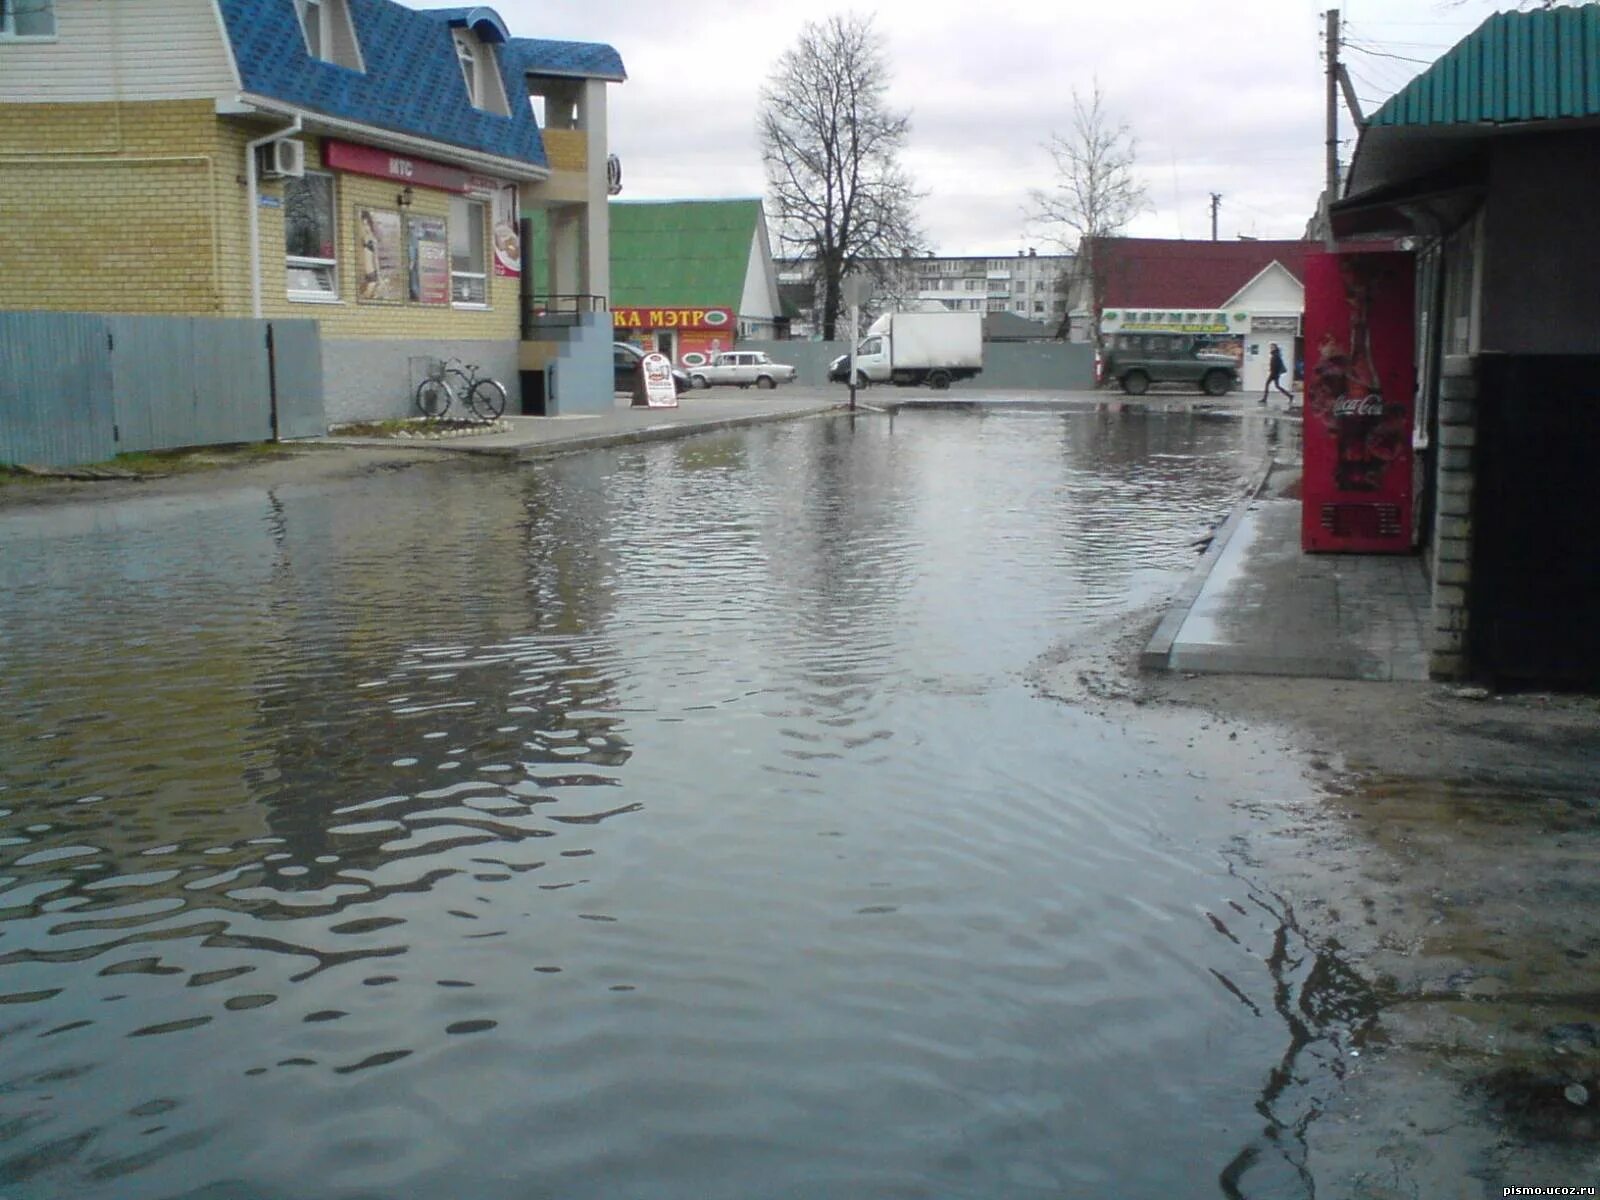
(481, 73)
(313, 14)
(335, 38)
(467, 60)
(465, 211)
(8, 21)
(293, 262)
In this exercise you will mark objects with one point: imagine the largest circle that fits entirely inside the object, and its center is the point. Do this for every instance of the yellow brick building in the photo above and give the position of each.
(352, 161)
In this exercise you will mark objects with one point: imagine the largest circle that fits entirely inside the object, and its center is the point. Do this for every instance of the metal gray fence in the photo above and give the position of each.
(84, 387)
(1021, 366)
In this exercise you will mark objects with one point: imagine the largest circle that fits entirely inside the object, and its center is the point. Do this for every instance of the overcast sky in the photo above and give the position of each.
(1221, 98)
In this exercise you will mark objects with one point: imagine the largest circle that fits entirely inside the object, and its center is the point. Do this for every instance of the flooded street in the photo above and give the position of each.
(667, 821)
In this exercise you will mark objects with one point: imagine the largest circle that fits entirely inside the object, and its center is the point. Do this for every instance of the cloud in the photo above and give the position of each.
(1223, 100)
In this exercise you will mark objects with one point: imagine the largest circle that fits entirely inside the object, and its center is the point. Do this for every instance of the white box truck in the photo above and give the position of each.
(912, 349)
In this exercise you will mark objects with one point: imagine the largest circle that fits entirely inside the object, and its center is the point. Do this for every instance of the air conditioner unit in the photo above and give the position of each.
(283, 159)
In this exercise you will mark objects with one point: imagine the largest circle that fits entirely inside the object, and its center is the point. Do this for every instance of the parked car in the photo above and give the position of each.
(1137, 360)
(625, 360)
(741, 368)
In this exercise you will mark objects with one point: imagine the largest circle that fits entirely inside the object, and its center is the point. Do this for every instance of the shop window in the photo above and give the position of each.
(27, 18)
(469, 277)
(329, 34)
(309, 237)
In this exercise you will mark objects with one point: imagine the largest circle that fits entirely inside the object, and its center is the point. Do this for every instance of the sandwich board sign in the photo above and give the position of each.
(659, 391)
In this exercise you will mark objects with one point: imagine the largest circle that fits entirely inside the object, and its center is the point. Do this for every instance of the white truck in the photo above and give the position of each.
(912, 349)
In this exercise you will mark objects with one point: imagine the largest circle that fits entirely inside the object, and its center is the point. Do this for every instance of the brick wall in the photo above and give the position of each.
(110, 207)
(141, 207)
(1452, 539)
(566, 149)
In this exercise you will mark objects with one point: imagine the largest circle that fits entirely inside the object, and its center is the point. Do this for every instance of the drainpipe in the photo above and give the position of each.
(255, 203)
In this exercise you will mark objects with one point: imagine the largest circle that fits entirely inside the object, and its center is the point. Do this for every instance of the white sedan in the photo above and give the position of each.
(741, 368)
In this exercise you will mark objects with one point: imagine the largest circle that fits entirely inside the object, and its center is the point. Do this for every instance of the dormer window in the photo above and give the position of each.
(27, 18)
(329, 34)
(481, 73)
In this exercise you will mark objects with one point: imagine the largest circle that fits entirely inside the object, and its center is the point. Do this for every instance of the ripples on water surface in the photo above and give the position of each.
(673, 821)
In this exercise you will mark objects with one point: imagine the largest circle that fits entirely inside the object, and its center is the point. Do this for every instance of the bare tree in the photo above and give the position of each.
(1095, 193)
(831, 145)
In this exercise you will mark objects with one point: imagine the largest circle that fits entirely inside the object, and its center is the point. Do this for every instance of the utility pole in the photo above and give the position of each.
(1331, 192)
(1216, 202)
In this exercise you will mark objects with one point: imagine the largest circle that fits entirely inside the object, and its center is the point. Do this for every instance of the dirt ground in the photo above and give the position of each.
(1446, 857)
(1437, 888)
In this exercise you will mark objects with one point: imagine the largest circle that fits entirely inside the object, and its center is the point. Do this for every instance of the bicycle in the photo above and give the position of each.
(434, 395)
(484, 396)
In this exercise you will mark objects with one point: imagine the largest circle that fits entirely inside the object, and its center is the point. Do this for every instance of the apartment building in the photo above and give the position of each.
(1027, 284)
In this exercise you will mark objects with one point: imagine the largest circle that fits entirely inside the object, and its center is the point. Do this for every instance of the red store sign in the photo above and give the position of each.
(671, 318)
(403, 168)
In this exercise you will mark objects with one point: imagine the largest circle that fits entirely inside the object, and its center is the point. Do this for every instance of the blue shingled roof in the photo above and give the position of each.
(481, 20)
(588, 60)
(413, 81)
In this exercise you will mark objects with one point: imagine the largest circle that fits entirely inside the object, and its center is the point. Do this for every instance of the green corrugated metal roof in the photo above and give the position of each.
(681, 252)
(1516, 66)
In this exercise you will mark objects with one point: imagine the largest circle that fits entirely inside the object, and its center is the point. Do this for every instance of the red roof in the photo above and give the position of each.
(1169, 273)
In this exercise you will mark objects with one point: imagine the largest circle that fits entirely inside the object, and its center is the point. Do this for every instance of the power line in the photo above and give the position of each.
(1357, 46)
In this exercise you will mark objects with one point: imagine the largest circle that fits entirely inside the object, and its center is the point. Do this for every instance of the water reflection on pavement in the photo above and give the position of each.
(668, 821)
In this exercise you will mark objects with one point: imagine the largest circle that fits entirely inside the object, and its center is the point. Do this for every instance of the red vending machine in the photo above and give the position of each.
(1360, 387)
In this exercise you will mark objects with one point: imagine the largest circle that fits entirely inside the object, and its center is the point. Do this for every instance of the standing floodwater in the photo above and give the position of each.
(674, 821)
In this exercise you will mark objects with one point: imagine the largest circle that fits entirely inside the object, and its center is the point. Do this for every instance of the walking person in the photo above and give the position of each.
(1275, 370)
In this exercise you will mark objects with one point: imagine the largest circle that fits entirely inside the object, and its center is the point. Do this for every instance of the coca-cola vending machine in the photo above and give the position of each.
(1360, 384)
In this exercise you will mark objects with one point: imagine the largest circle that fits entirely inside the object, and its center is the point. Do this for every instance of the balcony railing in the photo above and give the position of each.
(557, 310)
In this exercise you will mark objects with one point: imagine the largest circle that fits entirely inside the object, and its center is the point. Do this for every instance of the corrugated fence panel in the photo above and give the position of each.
(190, 381)
(1010, 366)
(232, 386)
(83, 387)
(55, 389)
(297, 378)
(152, 382)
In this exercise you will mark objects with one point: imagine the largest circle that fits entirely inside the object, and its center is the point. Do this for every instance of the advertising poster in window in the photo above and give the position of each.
(380, 256)
(507, 238)
(428, 251)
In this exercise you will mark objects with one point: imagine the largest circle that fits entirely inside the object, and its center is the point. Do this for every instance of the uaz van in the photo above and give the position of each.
(1136, 360)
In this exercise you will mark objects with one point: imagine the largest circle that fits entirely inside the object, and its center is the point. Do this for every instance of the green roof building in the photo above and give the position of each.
(691, 277)
(1487, 166)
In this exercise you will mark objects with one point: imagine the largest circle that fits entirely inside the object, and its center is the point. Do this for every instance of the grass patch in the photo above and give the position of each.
(196, 458)
(408, 427)
(150, 464)
(376, 428)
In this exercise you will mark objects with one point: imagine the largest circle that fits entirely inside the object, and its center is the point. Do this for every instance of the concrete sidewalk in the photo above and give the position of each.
(727, 408)
(1256, 604)
(697, 412)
